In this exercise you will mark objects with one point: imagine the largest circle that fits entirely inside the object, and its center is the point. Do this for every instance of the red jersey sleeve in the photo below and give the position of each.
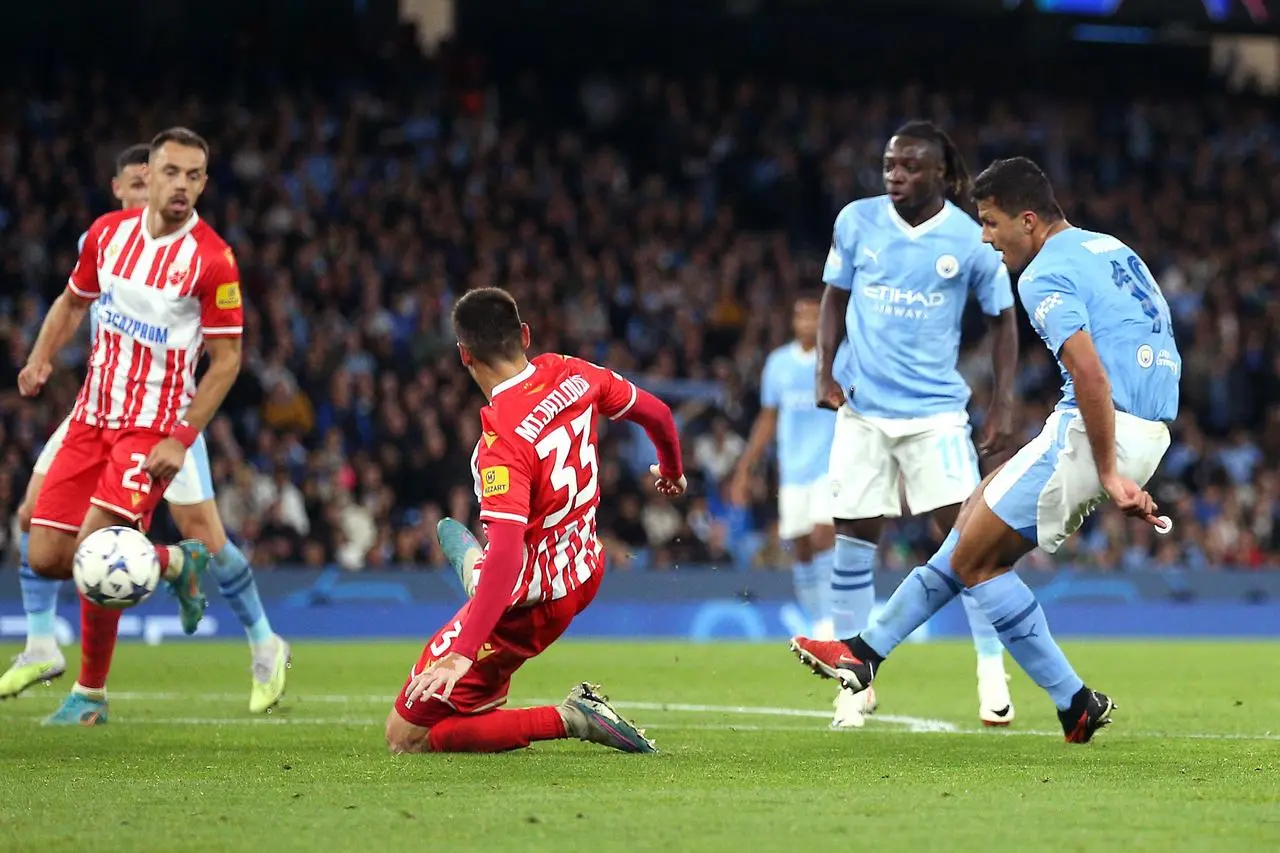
(617, 395)
(84, 277)
(221, 308)
(503, 478)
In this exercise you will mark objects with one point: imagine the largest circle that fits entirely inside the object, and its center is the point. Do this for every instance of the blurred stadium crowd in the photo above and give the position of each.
(662, 226)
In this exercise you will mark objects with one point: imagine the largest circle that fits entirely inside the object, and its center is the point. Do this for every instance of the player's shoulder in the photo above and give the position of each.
(1070, 252)
(209, 243)
(960, 223)
(113, 220)
(781, 356)
(864, 211)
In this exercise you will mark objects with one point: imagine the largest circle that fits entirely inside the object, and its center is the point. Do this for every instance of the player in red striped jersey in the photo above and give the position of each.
(194, 510)
(536, 472)
(166, 289)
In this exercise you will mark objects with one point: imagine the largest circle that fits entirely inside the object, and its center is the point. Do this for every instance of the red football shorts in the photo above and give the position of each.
(521, 633)
(102, 467)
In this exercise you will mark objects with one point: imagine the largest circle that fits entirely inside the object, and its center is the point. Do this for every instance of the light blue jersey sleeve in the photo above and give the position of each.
(771, 384)
(989, 282)
(1055, 307)
(840, 265)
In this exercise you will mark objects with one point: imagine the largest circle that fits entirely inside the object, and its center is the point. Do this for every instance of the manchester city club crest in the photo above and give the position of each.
(948, 266)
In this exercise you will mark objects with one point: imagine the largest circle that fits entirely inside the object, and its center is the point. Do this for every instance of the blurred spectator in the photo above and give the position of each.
(659, 225)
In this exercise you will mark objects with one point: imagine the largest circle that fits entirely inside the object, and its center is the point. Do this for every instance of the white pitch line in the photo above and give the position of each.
(914, 724)
(918, 725)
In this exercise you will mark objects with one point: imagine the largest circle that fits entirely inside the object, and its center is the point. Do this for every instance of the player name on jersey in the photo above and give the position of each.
(570, 391)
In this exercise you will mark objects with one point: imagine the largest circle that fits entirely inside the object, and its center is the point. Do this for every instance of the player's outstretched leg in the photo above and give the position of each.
(41, 660)
(461, 549)
(980, 555)
(995, 705)
(584, 714)
(920, 595)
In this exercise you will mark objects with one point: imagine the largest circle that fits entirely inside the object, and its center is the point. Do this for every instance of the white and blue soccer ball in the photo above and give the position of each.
(116, 567)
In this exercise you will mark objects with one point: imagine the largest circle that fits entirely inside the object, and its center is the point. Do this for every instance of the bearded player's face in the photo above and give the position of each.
(176, 177)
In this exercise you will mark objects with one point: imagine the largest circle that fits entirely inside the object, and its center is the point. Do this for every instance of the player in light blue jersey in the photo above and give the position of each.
(803, 448)
(901, 270)
(1095, 305)
(191, 503)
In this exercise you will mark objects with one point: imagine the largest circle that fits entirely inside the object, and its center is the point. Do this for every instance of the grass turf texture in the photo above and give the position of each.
(1192, 761)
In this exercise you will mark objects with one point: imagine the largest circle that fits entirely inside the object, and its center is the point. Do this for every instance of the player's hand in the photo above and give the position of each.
(997, 434)
(672, 488)
(439, 678)
(740, 489)
(1132, 499)
(830, 394)
(165, 459)
(33, 376)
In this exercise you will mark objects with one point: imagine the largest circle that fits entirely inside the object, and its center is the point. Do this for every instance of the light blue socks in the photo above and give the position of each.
(235, 582)
(985, 639)
(920, 595)
(1012, 608)
(853, 591)
(39, 600)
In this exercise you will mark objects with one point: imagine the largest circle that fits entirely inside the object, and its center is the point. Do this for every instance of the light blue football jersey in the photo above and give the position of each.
(1086, 280)
(908, 288)
(804, 431)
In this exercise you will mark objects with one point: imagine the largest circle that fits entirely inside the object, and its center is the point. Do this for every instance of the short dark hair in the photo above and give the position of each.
(955, 170)
(181, 136)
(1015, 185)
(134, 155)
(487, 322)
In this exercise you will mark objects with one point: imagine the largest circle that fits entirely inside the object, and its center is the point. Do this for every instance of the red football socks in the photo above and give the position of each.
(98, 627)
(497, 731)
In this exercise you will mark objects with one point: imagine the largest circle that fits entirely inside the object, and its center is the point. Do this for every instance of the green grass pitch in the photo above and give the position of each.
(1192, 761)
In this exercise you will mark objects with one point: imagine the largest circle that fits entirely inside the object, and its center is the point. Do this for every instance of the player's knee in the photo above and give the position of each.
(50, 553)
(405, 737)
(866, 529)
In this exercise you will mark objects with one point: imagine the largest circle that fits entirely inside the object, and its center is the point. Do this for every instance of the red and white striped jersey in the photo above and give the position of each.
(157, 300)
(536, 465)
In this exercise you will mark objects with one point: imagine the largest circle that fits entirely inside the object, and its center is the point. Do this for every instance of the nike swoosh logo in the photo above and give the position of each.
(1002, 712)
(875, 256)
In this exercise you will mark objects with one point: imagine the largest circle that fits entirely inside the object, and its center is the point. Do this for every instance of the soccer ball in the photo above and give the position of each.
(116, 567)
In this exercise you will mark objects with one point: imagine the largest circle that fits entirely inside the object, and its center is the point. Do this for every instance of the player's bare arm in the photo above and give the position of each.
(167, 456)
(762, 432)
(998, 434)
(831, 314)
(60, 324)
(1093, 396)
